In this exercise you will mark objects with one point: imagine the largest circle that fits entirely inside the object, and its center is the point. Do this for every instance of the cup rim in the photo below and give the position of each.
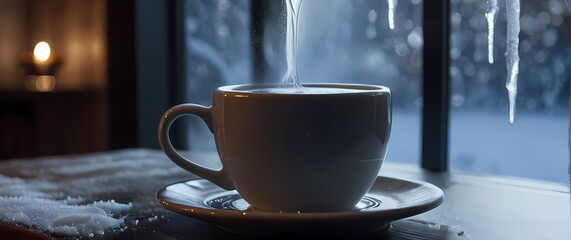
(363, 88)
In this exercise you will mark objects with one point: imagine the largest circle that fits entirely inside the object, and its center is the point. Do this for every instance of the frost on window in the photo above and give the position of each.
(482, 140)
(217, 53)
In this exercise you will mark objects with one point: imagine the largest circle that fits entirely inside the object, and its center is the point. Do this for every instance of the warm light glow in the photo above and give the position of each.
(41, 83)
(42, 51)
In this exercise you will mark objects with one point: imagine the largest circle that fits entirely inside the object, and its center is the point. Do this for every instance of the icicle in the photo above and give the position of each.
(512, 56)
(391, 15)
(569, 141)
(491, 16)
(293, 9)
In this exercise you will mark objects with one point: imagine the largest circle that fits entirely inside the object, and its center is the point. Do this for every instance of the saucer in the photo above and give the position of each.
(388, 199)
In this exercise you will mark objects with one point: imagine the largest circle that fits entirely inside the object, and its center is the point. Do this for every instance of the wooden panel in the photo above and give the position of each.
(13, 42)
(37, 124)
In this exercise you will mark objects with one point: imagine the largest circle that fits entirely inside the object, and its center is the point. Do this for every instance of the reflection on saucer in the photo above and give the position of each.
(233, 201)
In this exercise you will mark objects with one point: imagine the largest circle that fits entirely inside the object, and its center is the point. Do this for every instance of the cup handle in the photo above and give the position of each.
(219, 177)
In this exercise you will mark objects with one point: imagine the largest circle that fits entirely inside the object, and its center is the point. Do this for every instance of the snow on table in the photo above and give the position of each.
(85, 195)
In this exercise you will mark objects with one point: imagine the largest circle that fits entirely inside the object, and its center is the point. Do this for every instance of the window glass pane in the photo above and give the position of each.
(339, 41)
(350, 41)
(482, 139)
(217, 54)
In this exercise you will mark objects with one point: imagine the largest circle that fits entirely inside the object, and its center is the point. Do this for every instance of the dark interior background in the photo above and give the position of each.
(115, 57)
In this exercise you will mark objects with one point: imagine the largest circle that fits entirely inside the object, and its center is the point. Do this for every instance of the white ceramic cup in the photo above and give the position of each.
(288, 151)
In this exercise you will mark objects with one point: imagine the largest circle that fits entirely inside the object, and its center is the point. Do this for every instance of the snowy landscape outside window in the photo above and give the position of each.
(352, 41)
(481, 137)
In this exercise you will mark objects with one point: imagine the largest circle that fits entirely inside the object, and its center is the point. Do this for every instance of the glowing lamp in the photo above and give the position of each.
(41, 67)
(42, 51)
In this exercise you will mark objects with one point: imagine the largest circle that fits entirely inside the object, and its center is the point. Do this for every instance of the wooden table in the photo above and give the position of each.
(475, 207)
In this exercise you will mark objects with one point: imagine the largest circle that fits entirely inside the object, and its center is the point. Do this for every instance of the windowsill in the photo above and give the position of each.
(475, 206)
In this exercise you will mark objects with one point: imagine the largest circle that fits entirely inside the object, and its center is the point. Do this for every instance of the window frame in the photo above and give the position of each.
(435, 86)
(145, 69)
